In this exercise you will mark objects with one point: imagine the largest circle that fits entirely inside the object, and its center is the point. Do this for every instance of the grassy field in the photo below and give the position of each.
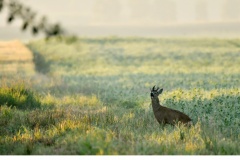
(92, 96)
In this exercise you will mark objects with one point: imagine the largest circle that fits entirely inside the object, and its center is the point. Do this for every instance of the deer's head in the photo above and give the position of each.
(155, 92)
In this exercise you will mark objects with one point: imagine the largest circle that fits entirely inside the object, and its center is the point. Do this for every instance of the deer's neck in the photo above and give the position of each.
(155, 104)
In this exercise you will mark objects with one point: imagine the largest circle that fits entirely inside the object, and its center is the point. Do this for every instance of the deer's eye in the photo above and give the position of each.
(152, 94)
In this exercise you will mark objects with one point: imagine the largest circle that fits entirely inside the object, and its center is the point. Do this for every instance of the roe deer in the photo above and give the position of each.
(167, 115)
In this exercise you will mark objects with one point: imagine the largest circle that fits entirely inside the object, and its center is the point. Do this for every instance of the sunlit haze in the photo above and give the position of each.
(115, 15)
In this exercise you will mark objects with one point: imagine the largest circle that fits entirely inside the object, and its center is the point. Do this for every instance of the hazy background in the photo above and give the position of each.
(135, 17)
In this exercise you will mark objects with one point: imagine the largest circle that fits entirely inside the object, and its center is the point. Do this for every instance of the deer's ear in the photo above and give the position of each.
(160, 91)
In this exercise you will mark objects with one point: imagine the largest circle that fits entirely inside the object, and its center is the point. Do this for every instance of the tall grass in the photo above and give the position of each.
(18, 96)
(93, 97)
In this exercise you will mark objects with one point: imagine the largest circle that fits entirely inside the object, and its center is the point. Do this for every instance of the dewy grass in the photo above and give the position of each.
(93, 97)
(19, 96)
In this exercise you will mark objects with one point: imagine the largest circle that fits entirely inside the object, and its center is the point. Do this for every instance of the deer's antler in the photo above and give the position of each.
(153, 89)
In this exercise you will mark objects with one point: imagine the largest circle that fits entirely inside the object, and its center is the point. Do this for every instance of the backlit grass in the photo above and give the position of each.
(91, 96)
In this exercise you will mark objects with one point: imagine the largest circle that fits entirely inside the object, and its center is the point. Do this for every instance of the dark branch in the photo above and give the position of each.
(18, 10)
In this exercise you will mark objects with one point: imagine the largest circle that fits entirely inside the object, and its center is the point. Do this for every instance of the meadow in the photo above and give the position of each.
(91, 96)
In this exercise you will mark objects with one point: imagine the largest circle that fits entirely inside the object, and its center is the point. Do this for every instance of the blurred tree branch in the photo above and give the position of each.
(17, 10)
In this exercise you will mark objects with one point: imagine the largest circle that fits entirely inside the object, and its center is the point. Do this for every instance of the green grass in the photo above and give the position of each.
(92, 96)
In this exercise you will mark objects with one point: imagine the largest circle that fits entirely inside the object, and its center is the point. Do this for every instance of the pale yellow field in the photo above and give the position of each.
(15, 57)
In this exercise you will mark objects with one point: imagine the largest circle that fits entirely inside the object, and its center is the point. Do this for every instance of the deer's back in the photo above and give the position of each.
(167, 115)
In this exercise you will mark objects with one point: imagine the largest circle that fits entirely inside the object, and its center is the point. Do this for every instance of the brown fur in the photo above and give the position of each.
(166, 115)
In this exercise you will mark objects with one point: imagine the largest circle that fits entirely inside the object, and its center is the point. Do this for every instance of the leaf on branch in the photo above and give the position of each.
(1, 5)
(24, 26)
(34, 30)
(28, 17)
(10, 18)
